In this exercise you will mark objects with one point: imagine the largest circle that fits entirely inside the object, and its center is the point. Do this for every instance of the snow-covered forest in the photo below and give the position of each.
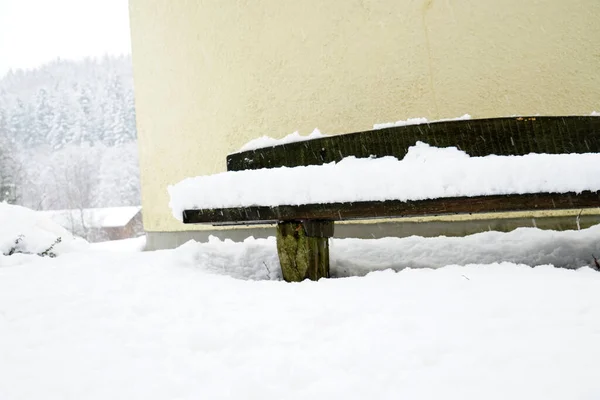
(67, 135)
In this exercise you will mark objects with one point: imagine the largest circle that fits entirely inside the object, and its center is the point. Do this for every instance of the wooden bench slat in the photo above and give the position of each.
(393, 208)
(477, 137)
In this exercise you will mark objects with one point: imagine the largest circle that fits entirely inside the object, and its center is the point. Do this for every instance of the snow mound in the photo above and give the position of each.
(252, 259)
(36, 231)
(256, 259)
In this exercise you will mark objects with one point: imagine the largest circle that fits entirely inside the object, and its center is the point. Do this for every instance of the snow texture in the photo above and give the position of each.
(425, 172)
(150, 326)
(595, 114)
(266, 141)
(417, 121)
(109, 323)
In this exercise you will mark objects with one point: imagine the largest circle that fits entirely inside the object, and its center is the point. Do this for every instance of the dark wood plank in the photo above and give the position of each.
(393, 208)
(478, 137)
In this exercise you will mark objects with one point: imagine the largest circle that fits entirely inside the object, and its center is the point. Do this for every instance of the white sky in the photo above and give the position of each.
(33, 32)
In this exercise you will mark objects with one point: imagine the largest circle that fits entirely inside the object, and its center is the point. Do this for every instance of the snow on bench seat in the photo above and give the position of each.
(426, 172)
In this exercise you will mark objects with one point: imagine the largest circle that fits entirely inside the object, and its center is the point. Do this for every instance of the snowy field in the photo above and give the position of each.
(212, 321)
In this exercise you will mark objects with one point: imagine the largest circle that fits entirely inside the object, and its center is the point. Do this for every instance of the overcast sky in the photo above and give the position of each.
(33, 32)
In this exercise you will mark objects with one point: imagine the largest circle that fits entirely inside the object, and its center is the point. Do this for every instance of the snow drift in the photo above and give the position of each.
(34, 232)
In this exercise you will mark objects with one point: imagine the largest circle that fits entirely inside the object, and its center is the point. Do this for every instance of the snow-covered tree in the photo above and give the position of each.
(66, 102)
(11, 171)
(67, 135)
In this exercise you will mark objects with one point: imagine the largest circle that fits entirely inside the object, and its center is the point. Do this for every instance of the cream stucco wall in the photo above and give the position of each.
(212, 74)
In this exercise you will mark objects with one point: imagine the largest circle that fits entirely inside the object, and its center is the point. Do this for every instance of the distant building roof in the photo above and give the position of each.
(110, 217)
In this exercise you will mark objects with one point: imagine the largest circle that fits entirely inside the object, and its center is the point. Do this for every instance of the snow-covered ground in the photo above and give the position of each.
(124, 245)
(212, 321)
(151, 326)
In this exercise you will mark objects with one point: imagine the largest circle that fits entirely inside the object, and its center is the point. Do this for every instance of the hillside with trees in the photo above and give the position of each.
(68, 136)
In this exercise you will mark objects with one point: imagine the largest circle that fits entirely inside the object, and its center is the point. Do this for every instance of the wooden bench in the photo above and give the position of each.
(303, 230)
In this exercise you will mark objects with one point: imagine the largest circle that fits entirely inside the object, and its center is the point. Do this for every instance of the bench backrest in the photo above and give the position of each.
(477, 137)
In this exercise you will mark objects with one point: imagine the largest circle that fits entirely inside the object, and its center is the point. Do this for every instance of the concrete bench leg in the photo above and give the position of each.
(303, 248)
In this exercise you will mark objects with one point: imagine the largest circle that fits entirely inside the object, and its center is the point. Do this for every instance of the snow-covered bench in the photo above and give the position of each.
(305, 202)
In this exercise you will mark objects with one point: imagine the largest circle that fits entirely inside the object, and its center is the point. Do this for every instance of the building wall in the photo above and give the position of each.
(211, 75)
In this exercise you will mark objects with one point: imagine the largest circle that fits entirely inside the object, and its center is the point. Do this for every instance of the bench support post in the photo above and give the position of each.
(303, 249)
